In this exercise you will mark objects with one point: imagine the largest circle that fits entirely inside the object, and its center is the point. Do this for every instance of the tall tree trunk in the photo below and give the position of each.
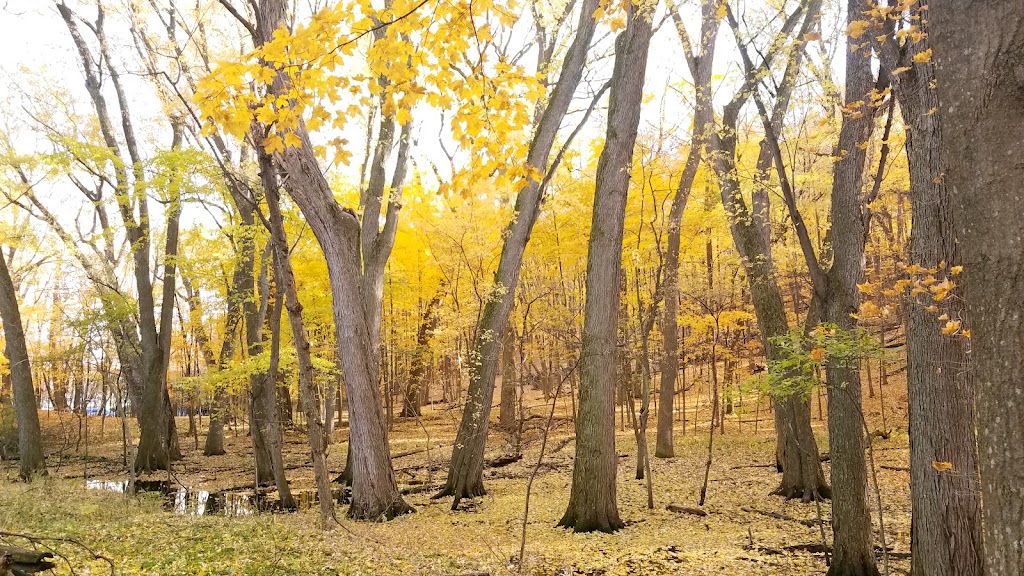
(700, 67)
(592, 504)
(308, 391)
(465, 472)
(30, 442)
(796, 447)
(945, 527)
(374, 488)
(980, 82)
(853, 554)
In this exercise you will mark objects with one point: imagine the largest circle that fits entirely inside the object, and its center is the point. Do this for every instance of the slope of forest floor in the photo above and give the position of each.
(744, 531)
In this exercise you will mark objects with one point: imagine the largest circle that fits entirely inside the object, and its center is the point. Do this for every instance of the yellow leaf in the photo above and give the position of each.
(810, 36)
(966, 333)
(273, 144)
(818, 354)
(857, 28)
(292, 141)
(923, 56)
(950, 327)
(955, 270)
(942, 466)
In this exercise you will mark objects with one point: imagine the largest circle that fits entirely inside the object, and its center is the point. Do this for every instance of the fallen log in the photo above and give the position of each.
(19, 561)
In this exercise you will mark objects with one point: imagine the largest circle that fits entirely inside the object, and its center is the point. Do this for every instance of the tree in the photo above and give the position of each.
(853, 553)
(700, 64)
(946, 508)
(978, 75)
(465, 473)
(592, 505)
(30, 441)
(796, 447)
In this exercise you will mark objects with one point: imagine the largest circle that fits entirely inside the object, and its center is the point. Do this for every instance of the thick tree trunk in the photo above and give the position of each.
(465, 472)
(30, 443)
(945, 528)
(592, 504)
(980, 82)
(851, 518)
(375, 493)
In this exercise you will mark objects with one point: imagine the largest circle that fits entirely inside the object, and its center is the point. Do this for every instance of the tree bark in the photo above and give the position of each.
(945, 527)
(592, 504)
(980, 80)
(851, 518)
(465, 472)
(374, 488)
(30, 442)
(700, 68)
(507, 407)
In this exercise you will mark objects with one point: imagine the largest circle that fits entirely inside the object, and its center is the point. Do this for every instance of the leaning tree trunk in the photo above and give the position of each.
(980, 82)
(945, 527)
(308, 391)
(30, 442)
(851, 518)
(465, 472)
(592, 504)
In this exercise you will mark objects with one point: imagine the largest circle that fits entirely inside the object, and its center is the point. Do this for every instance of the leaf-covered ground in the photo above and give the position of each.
(745, 531)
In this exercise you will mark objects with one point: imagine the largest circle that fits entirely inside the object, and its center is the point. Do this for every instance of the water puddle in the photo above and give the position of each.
(183, 500)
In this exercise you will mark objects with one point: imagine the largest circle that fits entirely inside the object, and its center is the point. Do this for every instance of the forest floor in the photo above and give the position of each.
(741, 529)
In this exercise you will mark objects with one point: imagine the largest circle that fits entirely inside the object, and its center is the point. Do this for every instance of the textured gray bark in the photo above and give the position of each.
(507, 406)
(851, 518)
(465, 472)
(700, 68)
(979, 51)
(945, 528)
(796, 449)
(592, 505)
(30, 442)
(374, 488)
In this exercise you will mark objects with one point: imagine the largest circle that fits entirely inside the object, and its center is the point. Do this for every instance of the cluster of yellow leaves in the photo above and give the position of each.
(352, 56)
(923, 282)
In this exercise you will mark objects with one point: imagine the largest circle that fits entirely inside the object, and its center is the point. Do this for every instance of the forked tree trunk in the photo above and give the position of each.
(30, 442)
(978, 46)
(592, 504)
(465, 472)
(700, 67)
(374, 488)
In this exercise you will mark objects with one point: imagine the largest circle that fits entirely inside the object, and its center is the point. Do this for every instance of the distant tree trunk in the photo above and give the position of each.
(465, 472)
(980, 78)
(592, 504)
(945, 528)
(700, 66)
(507, 408)
(853, 553)
(421, 360)
(30, 442)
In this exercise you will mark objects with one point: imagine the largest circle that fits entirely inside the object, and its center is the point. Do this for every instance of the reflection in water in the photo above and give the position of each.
(182, 500)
